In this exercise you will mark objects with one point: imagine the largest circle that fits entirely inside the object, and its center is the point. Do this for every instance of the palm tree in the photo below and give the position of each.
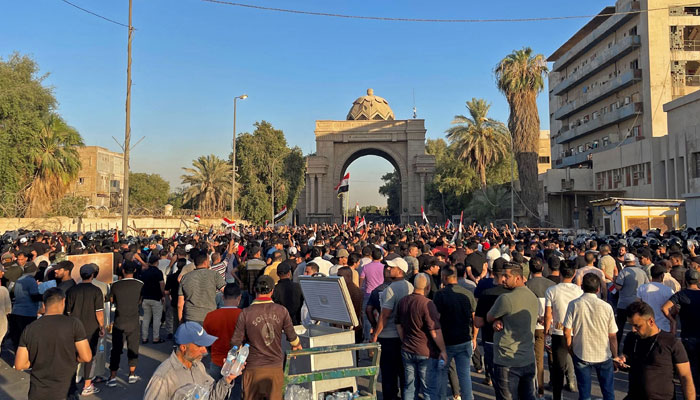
(489, 204)
(478, 140)
(209, 183)
(56, 164)
(520, 77)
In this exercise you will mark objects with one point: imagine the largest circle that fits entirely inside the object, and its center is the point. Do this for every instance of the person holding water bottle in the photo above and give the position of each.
(183, 373)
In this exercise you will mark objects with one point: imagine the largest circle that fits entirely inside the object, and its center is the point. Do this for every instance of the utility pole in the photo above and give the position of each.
(127, 131)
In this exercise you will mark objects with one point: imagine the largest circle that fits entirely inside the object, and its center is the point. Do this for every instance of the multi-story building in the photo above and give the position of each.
(544, 153)
(607, 87)
(101, 177)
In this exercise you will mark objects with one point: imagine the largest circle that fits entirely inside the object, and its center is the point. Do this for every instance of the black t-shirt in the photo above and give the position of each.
(652, 361)
(476, 261)
(580, 262)
(555, 278)
(172, 286)
(678, 273)
(374, 297)
(66, 285)
(455, 305)
(151, 278)
(82, 302)
(458, 256)
(288, 294)
(50, 341)
(486, 300)
(689, 300)
(126, 294)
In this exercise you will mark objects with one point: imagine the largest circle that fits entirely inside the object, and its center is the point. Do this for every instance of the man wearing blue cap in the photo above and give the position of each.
(183, 372)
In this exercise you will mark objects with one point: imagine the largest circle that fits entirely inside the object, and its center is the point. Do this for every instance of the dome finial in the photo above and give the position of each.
(370, 92)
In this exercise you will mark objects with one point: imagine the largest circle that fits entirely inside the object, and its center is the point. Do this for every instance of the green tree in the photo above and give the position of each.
(520, 77)
(267, 166)
(25, 104)
(209, 182)
(56, 164)
(391, 189)
(489, 204)
(477, 139)
(69, 206)
(148, 190)
(453, 179)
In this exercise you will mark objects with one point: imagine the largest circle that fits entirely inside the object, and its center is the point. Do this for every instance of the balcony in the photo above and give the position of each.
(587, 156)
(629, 10)
(611, 87)
(614, 53)
(621, 114)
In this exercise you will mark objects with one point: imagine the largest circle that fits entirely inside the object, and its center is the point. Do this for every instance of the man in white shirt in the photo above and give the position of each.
(557, 299)
(588, 324)
(590, 268)
(656, 294)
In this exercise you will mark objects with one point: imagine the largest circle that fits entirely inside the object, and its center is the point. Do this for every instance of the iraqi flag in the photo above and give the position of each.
(196, 219)
(227, 223)
(425, 218)
(361, 224)
(344, 184)
(458, 233)
(281, 213)
(448, 224)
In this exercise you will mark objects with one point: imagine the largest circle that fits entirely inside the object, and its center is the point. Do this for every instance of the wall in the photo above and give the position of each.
(66, 224)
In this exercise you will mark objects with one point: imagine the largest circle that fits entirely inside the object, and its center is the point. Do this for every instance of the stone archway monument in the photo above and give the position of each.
(370, 129)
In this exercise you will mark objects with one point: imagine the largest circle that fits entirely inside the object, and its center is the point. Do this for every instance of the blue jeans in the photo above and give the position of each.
(433, 375)
(514, 383)
(415, 370)
(462, 354)
(606, 379)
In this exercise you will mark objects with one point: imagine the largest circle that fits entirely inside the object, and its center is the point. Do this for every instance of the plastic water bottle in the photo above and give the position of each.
(228, 363)
(441, 364)
(102, 345)
(242, 355)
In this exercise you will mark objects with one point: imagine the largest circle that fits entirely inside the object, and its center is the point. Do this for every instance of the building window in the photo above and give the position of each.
(696, 156)
(633, 31)
(543, 160)
(634, 64)
(606, 140)
(81, 181)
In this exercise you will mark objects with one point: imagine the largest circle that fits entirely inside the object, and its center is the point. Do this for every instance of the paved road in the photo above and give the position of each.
(14, 384)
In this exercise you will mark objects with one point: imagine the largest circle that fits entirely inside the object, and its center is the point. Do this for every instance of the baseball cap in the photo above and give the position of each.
(284, 267)
(342, 253)
(7, 256)
(60, 256)
(692, 276)
(88, 269)
(400, 263)
(188, 247)
(192, 332)
(629, 257)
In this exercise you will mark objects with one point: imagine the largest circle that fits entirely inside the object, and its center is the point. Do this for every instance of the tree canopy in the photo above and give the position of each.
(267, 166)
(148, 190)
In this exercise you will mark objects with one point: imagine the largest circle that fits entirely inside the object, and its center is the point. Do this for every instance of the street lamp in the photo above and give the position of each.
(233, 166)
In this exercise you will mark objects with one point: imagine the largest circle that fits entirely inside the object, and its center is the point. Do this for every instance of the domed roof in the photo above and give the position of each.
(370, 107)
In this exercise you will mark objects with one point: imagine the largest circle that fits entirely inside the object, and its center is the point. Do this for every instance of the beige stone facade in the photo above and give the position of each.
(101, 177)
(607, 87)
(370, 129)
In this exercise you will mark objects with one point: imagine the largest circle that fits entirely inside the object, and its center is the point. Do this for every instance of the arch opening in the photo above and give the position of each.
(375, 185)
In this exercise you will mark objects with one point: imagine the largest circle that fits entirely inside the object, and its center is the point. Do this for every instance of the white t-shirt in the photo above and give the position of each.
(656, 294)
(558, 297)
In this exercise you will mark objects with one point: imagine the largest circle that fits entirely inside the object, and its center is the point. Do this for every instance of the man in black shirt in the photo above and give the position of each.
(63, 270)
(126, 296)
(475, 262)
(686, 303)
(487, 299)
(288, 293)
(49, 346)
(456, 306)
(152, 295)
(652, 354)
(84, 301)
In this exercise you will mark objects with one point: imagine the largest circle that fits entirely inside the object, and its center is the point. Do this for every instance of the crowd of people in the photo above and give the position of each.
(507, 302)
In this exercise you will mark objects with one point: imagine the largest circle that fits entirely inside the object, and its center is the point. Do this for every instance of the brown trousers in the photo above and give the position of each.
(263, 383)
(539, 360)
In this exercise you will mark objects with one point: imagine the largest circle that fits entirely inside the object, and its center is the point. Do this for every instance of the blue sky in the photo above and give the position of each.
(190, 58)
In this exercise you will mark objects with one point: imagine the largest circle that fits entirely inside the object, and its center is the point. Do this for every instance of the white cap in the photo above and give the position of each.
(188, 247)
(629, 257)
(398, 262)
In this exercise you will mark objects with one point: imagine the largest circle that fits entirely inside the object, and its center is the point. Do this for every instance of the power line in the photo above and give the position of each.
(397, 19)
(95, 14)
